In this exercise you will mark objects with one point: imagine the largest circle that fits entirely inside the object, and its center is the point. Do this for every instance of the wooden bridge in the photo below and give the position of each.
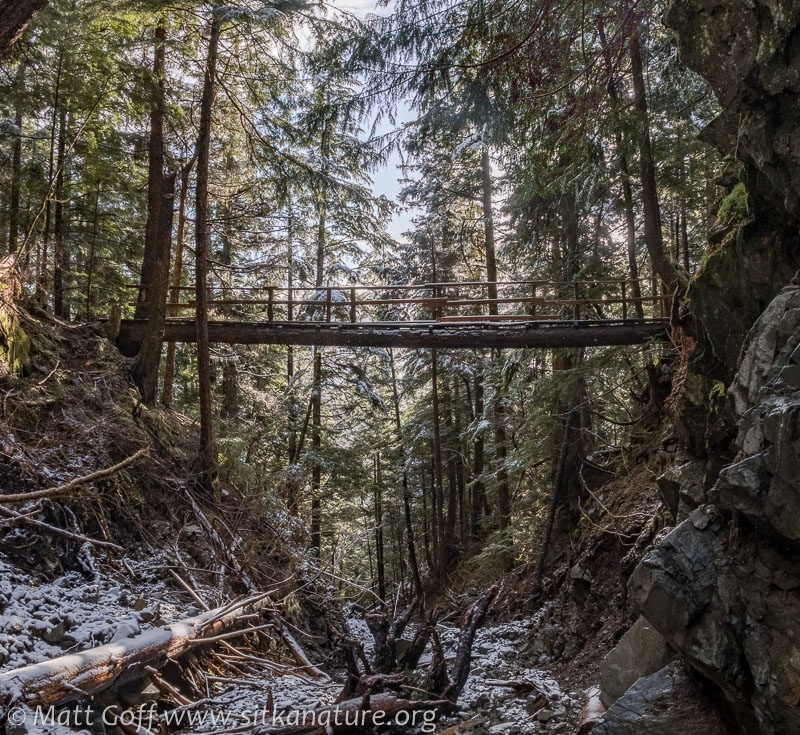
(508, 314)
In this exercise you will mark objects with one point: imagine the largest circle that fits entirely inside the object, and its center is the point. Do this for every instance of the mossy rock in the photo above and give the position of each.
(735, 207)
(15, 344)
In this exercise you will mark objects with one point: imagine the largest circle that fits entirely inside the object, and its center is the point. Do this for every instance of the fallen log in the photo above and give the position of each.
(77, 482)
(300, 655)
(519, 686)
(75, 676)
(464, 652)
(593, 711)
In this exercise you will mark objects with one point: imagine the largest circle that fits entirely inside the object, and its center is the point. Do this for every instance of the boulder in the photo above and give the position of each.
(668, 703)
(640, 652)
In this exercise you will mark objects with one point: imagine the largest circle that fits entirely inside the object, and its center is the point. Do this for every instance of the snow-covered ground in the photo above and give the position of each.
(501, 653)
(40, 620)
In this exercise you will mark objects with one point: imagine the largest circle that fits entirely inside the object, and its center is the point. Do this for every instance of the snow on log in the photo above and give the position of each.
(78, 675)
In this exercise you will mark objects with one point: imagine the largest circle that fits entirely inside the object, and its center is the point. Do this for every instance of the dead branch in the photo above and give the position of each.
(165, 687)
(520, 687)
(26, 519)
(191, 592)
(474, 621)
(77, 482)
(300, 655)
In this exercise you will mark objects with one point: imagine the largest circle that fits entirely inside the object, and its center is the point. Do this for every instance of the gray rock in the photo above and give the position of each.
(138, 693)
(640, 652)
(504, 727)
(667, 703)
(535, 702)
(56, 634)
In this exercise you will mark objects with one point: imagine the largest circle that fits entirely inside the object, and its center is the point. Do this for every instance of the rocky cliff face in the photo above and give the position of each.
(749, 51)
(723, 588)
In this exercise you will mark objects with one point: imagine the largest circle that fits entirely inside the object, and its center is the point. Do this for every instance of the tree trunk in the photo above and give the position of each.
(379, 548)
(292, 483)
(503, 491)
(412, 548)
(92, 248)
(316, 445)
(42, 277)
(16, 164)
(14, 17)
(500, 453)
(60, 255)
(478, 486)
(440, 573)
(556, 495)
(627, 193)
(684, 236)
(152, 300)
(230, 374)
(452, 458)
(316, 420)
(75, 676)
(667, 271)
(177, 275)
(488, 227)
(207, 454)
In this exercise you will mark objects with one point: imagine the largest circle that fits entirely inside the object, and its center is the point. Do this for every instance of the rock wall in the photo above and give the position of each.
(749, 51)
(723, 587)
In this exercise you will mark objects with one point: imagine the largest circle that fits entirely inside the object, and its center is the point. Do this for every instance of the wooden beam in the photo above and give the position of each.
(443, 335)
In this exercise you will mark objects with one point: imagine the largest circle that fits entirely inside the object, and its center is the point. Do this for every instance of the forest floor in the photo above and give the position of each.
(74, 413)
(117, 599)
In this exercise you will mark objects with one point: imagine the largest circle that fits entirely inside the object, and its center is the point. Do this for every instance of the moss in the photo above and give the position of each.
(734, 207)
(15, 345)
(717, 391)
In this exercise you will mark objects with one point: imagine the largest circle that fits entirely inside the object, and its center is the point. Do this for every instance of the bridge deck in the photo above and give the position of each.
(414, 334)
(448, 315)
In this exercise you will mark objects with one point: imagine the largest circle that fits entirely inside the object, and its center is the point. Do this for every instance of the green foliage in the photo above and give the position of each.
(734, 207)
(15, 345)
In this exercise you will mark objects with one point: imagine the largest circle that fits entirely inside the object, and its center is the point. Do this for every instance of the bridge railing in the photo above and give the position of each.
(458, 302)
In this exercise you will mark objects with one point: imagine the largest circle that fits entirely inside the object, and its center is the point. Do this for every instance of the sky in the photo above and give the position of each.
(386, 180)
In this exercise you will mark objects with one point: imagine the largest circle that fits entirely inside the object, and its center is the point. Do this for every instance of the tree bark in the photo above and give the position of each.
(92, 248)
(488, 227)
(380, 561)
(412, 547)
(16, 163)
(316, 446)
(478, 486)
(207, 455)
(311, 333)
(42, 278)
(627, 193)
(14, 18)
(60, 254)
(177, 275)
(503, 491)
(440, 573)
(666, 270)
(500, 453)
(158, 238)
